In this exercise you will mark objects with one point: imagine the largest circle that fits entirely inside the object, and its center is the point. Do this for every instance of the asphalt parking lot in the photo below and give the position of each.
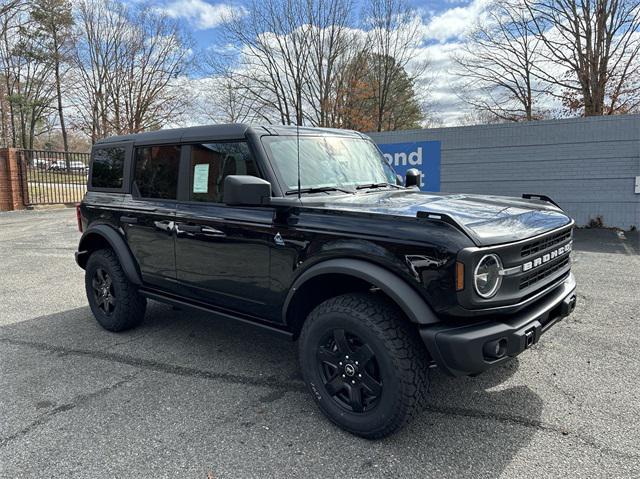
(187, 395)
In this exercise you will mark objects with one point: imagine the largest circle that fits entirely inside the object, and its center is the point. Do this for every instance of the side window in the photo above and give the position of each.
(211, 163)
(156, 172)
(108, 167)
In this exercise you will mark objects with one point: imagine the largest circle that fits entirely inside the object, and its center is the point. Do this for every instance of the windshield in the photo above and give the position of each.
(326, 162)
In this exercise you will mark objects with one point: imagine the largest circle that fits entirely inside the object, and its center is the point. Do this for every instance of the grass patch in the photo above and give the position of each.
(46, 193)
(49, 176)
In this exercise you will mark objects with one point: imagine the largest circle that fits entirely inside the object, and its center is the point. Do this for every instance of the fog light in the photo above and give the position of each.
(495, 349)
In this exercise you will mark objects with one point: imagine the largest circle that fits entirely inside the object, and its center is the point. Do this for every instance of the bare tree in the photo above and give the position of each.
(294, 60)
(358, 101)
(497, 63)
(27, 75)
(127, 62)
(101, 31)
(479, 116)
(157, 53)
(54, 20)
(595, 46)
(273, 50)
(8, 10)
(393, 34)
(221, 100)
(333, 46)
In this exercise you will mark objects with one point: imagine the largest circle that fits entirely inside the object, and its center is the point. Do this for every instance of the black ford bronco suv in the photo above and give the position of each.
(306, 232)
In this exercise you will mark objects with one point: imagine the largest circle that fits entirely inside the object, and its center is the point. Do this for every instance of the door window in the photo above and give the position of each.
(211, 163)
(108, 167)
(156, 172)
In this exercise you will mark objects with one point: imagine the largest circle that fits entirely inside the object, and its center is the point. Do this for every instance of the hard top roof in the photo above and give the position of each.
(223, 132)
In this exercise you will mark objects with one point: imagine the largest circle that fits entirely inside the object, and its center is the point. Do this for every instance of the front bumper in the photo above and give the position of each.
(462, 350)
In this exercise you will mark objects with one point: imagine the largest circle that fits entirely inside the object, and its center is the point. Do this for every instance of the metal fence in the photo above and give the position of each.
(51, 177)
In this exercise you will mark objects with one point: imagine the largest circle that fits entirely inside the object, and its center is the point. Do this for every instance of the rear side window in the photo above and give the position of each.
(211, 163)
(108, 168)
(156, 172)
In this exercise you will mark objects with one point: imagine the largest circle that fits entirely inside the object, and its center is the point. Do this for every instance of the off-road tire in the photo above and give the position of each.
(402, 357)
(129, 306)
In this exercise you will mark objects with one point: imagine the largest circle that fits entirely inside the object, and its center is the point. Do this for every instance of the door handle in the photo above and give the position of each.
(185, 228)
(212, 231)
(131, 220)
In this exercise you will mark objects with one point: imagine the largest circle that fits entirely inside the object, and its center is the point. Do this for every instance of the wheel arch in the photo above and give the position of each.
(342, 275)
(104, 236)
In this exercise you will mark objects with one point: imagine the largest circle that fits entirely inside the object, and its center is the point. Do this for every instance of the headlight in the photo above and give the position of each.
(486, 277)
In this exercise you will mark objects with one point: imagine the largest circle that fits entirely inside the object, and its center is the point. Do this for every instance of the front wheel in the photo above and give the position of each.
(114, 300)
(363, 363)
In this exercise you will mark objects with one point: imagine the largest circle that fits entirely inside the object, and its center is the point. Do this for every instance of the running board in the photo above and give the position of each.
(183, 302)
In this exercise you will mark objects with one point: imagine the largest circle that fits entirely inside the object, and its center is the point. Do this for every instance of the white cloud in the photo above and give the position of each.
(441, 35)
(455, 22)
(200, 14)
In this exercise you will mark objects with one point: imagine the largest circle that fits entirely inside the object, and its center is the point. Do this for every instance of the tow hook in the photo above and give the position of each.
(568, 305)
(529, 337)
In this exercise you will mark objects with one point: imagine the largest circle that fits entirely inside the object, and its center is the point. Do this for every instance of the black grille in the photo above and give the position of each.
(544, 243)
(543, 272)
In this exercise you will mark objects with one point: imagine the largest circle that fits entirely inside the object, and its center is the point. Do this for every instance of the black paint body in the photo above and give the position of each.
(247, 262)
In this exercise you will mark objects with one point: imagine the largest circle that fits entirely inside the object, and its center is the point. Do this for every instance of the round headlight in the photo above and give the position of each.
(486, 277)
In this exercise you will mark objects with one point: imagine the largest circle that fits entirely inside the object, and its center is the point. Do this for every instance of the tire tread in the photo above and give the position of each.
(132, 305)
(407, 351)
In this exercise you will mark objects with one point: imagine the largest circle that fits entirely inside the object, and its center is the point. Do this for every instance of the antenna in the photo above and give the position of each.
(298, 119)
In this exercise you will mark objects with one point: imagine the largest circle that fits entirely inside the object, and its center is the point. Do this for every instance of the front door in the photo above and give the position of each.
(222, 252)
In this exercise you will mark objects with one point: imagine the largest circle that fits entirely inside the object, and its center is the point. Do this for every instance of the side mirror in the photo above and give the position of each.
(412, 178)
(243, 190)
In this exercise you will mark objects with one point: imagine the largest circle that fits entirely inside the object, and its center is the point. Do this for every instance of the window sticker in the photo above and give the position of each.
(201, 178)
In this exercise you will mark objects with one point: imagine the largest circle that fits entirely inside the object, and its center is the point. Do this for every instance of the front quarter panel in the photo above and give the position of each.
(419, 252)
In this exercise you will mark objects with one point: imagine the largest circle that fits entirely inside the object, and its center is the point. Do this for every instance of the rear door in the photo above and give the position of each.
(222, 252)
(148, 219)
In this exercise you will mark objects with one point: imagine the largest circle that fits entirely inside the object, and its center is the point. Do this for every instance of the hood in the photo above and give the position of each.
(488, 220)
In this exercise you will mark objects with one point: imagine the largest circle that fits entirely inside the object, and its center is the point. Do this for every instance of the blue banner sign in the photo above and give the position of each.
(422, 155)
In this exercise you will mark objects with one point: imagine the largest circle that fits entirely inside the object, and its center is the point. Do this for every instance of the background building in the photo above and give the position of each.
(590, 166)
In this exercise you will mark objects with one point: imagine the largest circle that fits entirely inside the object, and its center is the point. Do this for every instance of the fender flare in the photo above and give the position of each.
(117, 244)
(411, 303)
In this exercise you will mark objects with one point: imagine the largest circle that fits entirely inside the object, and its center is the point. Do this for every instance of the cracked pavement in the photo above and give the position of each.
(187, 395)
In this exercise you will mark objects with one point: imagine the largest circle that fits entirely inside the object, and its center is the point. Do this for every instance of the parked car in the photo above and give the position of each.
(78, 166)
(42, 163)
(307, 233)
(57, 165)
(61, 165)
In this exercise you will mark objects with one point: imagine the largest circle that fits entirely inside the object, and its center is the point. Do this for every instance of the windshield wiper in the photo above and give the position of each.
(320, 189)
(376, 185)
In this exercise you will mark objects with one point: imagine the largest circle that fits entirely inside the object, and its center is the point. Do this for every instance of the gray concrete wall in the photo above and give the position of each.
(587, 165)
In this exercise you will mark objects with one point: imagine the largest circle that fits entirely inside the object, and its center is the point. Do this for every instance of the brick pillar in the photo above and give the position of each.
(11, 191)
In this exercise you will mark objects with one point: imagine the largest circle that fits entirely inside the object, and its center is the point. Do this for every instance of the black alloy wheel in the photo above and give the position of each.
(114, 300)
(103, 291)
(349, 371)
(364, 364)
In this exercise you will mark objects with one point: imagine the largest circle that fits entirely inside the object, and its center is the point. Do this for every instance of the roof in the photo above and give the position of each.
(308, 131)
(222, 132)
(229, 131)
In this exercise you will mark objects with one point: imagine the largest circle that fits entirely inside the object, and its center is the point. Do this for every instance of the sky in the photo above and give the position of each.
(444, 23)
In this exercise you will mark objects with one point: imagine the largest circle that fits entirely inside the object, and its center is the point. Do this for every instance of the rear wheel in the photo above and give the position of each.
(114, 300)
(364, 365)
